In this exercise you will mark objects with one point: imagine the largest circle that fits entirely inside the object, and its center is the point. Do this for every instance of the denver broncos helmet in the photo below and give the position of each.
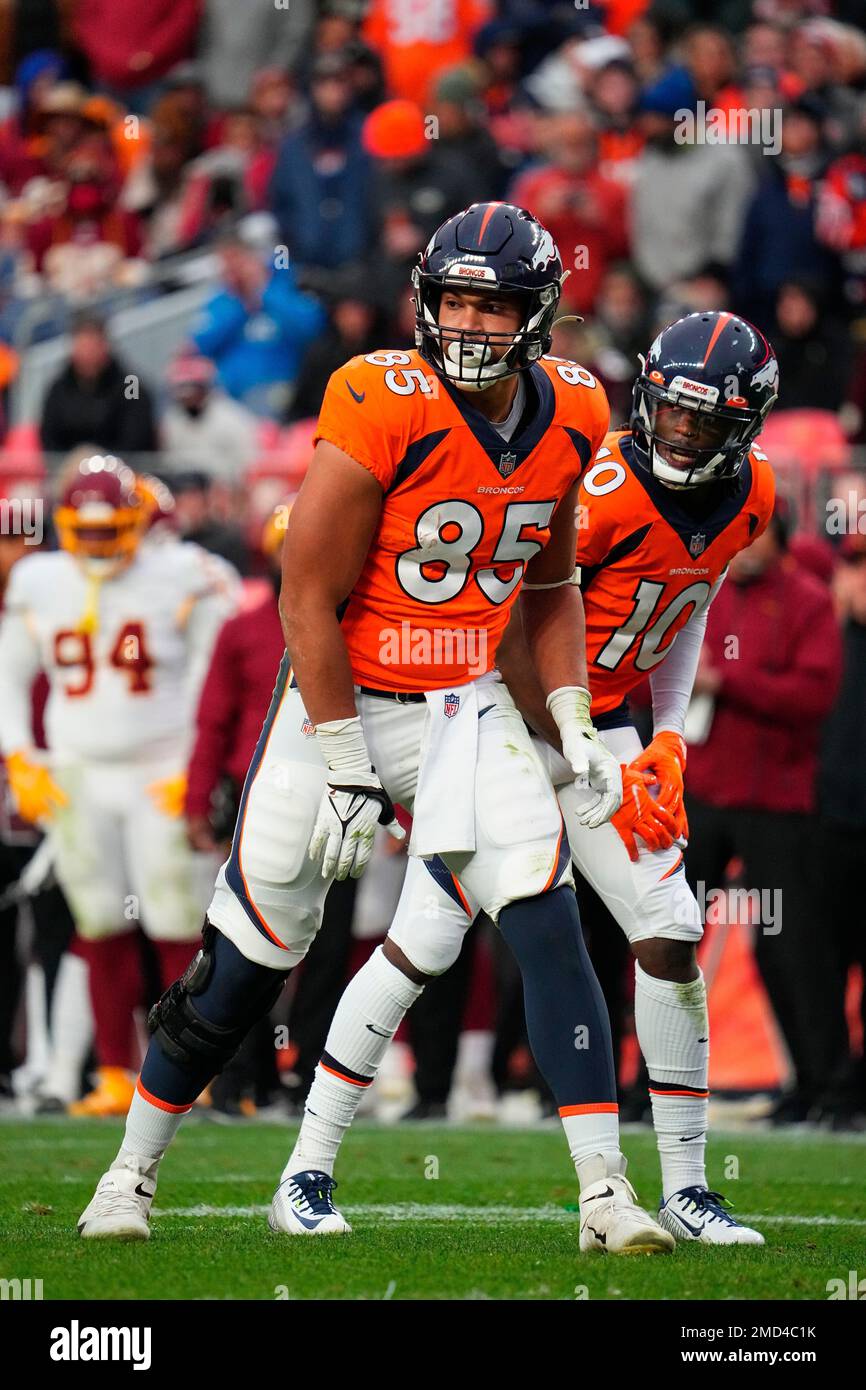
(722, 369)
(495, 248)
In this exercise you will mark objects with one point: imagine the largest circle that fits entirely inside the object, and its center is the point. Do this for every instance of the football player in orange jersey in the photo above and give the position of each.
(661, 512)
(440, 478)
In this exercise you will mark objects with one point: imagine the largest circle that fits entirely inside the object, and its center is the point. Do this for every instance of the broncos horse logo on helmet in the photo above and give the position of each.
(492, 248)
(708, 383)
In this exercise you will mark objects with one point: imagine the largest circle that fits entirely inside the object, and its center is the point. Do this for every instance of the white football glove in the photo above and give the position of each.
(353, 803)
(594, 766)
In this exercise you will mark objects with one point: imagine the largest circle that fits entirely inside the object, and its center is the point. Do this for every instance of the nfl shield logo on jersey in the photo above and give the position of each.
(698, 543)
(507, 464)
(308, 728)
(452, 705)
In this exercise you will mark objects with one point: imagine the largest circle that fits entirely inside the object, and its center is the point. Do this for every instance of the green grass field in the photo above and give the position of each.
(499, 1221)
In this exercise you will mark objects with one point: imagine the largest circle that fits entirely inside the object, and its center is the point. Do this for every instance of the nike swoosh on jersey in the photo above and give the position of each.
(378, 1031)
(354, 394)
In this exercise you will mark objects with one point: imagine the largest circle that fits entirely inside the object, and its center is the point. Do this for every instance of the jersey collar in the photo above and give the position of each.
(692, 530)
(507, 456)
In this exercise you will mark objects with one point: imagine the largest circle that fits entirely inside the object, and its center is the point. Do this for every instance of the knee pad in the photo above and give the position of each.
(232, 993)
(430, 923)
(669, 911)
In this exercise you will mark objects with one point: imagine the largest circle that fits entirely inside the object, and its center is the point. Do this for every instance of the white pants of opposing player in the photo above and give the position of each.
(269, 895)
(648, 899)
(120, 860)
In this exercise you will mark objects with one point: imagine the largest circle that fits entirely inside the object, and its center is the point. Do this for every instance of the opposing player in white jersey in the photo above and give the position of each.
(124, 633)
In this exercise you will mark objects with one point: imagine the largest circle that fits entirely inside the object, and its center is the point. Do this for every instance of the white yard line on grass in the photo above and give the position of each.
(383, 1214)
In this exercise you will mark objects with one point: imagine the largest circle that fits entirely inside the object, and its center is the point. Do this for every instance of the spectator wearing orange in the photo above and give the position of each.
(419, 41)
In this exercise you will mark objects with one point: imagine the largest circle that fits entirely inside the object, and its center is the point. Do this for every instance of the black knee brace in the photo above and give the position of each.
(232, 993)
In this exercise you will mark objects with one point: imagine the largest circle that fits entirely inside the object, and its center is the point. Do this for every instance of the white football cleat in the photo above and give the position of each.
(120, 1207)
(303, 1206)
(611, 1220)
(694, 1213)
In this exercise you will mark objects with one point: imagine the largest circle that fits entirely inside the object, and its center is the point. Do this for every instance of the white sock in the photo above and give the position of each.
(38, 1058)
(673, 1033)
(592, 1133)
(71, 1028)
(149, 1131)
(372, 1007)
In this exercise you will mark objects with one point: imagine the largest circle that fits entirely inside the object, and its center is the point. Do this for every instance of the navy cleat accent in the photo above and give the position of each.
(303, 1206)
(695, 1213)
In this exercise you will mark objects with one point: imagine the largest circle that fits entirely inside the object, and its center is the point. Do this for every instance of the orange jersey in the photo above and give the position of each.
(463, 510)
(647, 565)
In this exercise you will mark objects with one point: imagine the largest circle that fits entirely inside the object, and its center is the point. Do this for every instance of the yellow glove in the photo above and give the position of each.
(36, 794)
(169, 795)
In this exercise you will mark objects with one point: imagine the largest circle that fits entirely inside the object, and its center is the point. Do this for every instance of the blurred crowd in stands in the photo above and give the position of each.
(297, 156)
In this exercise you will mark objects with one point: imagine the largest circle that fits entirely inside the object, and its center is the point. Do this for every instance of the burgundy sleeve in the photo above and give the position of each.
(806, 689)
(215, 720)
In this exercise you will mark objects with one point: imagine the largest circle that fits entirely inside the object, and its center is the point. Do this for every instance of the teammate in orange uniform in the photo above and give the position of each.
(661, 512)
(429, 496)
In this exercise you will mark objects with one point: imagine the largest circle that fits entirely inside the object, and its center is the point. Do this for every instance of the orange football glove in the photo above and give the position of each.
(665, 758)
(36, 794)
(169, 795)
(640, 814)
